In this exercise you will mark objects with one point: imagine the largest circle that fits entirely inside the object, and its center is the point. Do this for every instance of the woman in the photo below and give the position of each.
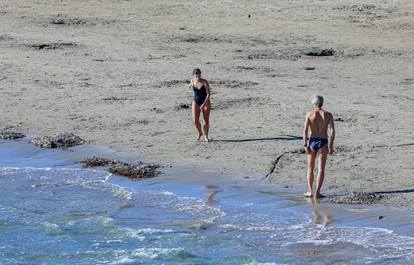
(201, 103)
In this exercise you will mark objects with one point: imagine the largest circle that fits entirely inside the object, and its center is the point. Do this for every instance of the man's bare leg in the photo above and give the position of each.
(310, 176)
(196, 119)
(323, 154)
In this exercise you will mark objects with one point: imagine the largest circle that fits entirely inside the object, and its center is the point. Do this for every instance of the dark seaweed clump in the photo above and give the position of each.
(10, 133)
(137, 170)
(61, 140)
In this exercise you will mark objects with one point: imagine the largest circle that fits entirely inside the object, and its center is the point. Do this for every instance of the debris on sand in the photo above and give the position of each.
(134, 170)
(299, 150)
(53, 46)
(10, 133)
(137, 170)
(183, 106)
(324, 52)
(61, 20)
(171, 83)
(115, 98)
(98, 162)
(358, 198)
(61, 140)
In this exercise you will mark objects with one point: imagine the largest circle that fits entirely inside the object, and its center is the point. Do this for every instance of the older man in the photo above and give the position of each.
(318, 122)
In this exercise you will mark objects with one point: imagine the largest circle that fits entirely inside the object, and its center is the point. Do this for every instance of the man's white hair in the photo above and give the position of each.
(317, 100)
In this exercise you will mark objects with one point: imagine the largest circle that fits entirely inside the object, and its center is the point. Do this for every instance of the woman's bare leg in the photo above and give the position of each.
(196, 119)
(310, 176)
(206, 116)
(323, 154)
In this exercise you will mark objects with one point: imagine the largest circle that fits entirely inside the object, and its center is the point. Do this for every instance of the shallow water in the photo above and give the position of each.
(53, 211)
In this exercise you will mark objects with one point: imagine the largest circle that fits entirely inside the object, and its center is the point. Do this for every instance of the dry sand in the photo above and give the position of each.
(114, 72)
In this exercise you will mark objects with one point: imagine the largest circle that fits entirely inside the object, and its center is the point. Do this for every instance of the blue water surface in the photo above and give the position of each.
(55, 211)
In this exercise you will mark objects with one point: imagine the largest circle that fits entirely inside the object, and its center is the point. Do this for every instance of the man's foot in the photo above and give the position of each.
(308, 194)
(319, 196)
(199, 136)
(206, 139)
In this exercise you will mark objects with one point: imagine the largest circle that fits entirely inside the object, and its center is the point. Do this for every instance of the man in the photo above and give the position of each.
(318, 121)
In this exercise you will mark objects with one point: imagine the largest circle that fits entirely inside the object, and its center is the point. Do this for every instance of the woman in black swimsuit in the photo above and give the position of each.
(201, 103)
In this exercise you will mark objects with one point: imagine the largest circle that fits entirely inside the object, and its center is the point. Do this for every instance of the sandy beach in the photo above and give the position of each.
(115, 73)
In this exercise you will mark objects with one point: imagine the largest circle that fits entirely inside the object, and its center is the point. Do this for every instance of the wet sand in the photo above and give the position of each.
(114, 73)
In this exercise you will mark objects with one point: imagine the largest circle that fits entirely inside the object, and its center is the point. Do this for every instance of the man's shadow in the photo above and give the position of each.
(278, 138)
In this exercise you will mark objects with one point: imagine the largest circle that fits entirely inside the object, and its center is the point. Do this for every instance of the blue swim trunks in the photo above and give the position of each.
(317, 143)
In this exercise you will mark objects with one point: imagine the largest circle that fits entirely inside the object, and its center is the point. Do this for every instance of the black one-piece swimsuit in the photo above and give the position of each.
(200, 95)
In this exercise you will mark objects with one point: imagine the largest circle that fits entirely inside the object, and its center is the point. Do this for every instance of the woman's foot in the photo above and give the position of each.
(199, 136)
(206, 139)
(319, 196)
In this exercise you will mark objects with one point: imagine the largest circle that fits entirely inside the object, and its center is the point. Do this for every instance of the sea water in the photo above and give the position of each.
(54, 211)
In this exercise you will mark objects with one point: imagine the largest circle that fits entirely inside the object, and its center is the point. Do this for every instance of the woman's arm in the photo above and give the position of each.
(191, 83)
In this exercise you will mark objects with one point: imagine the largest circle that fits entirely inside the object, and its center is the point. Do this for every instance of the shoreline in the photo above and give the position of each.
(384, 197)
(361, 215)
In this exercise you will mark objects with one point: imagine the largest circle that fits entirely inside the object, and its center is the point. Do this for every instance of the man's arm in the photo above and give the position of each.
(332, 134)
(305, 133)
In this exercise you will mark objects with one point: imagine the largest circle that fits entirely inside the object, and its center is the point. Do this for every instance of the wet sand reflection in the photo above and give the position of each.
(321, 215)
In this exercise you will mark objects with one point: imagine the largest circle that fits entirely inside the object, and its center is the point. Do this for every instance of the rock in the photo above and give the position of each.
(10, 133)
(358, 198)
(325, 52)
(58, 141)
(380, 217)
